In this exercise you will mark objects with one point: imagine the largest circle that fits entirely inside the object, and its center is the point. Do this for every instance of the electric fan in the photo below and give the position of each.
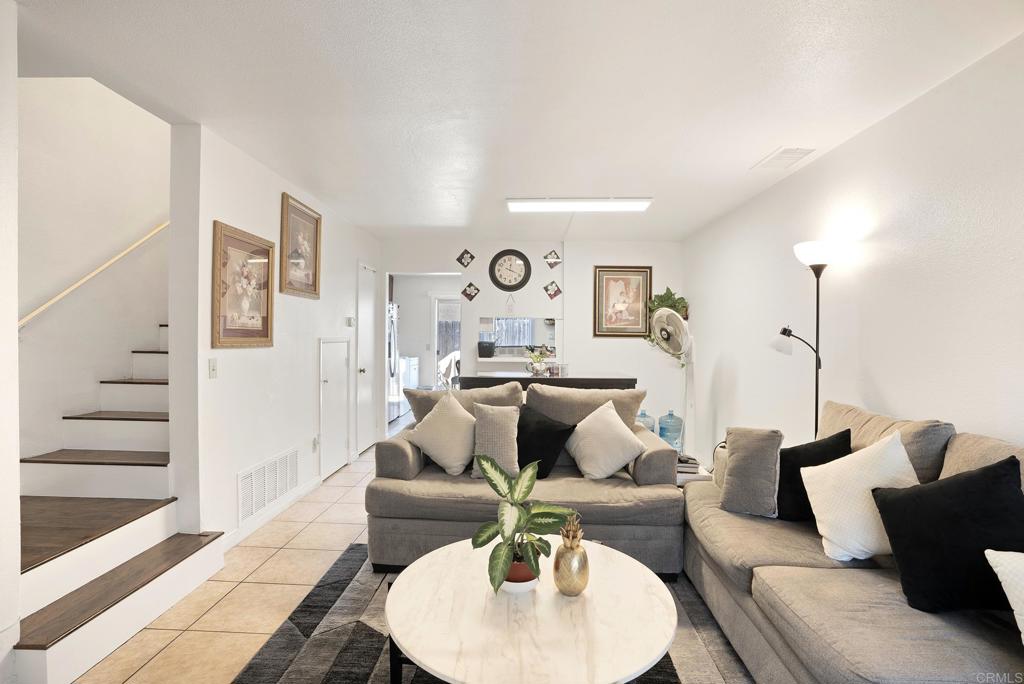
(671, 333)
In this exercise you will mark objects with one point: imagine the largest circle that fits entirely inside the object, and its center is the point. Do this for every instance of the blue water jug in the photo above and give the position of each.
(646, 420)
(670, 429)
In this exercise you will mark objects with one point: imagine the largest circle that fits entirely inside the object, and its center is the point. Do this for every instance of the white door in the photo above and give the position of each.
(366, 351)
(335, 402)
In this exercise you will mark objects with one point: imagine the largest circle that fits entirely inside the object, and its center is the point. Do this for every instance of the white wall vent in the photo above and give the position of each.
(783, 158)
(266, 482)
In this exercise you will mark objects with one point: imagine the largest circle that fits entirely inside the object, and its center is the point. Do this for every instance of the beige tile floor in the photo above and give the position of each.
(209, 636)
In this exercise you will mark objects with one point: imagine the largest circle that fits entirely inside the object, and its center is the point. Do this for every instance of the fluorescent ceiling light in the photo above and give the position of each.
(566, 205)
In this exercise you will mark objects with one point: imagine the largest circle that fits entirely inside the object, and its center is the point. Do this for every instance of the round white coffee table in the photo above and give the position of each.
(444, 617)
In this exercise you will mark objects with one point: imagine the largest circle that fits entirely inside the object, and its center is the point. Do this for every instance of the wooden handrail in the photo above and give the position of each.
(82, 281)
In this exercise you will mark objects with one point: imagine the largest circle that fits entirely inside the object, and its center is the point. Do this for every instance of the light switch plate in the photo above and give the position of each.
(212, 365)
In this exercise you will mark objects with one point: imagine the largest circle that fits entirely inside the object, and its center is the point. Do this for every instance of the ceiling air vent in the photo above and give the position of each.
(783, 158)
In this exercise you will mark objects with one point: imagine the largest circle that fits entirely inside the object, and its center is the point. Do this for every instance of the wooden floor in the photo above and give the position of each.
(53, 525)
(102, 457)
(47, 626)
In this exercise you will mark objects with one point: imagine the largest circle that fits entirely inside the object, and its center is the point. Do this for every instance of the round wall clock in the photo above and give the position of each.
(510, 270)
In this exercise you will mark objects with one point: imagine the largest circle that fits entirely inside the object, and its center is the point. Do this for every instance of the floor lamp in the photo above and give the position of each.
(816, 256)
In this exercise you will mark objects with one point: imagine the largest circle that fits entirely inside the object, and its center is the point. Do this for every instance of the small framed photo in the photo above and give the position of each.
(621, 294)
(243, 292)
(300, 248)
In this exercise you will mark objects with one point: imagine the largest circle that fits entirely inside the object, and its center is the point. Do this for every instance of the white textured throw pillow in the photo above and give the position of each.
(446, 435)
(602, 445)
(840, 494)
(1009, 567)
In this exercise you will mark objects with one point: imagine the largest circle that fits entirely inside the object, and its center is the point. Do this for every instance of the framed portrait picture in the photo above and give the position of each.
(243, 292)
(620, 301)
(300, 248)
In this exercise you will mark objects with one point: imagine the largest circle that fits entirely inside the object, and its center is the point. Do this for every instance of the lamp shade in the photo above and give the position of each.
(814, 252)
(782, 344)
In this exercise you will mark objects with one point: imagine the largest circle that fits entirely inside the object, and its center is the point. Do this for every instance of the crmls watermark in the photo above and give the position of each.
(1000, 677)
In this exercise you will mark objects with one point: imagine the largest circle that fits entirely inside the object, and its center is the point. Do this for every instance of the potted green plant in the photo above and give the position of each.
(516, 558)
(538, 356)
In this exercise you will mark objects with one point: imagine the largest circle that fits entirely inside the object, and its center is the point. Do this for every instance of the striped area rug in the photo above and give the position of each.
(338, 635)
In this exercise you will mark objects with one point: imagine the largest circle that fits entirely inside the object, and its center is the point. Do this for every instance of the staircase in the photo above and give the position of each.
(101, 553)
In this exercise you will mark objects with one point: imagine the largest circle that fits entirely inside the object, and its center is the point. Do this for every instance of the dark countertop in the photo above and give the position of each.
(589, 381)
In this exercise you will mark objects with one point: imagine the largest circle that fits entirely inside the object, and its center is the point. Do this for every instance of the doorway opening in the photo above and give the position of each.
(424, 338)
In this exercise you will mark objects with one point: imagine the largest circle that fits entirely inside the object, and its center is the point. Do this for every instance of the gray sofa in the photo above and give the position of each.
(795, 615)
(414, 507)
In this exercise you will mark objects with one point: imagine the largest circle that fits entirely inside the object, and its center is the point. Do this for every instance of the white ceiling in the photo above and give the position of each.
(419, 118)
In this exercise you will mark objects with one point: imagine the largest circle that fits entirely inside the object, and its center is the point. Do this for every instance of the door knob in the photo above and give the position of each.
(362, 370)
(324, 381)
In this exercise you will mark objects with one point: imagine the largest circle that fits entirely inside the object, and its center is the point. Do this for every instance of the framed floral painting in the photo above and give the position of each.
(620, 301)
(300, 248)
(243, 292)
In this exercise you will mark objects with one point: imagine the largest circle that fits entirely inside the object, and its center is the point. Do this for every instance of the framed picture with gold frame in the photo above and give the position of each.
(621, 294)
(300, 248)
(243, 289)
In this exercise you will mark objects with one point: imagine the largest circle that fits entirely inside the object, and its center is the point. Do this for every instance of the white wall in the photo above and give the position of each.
(924, 320)
(264, 400)
(10, 510)
(655, 371)
(94, 178)
(439, 256)
(585, 354)
(416, 318)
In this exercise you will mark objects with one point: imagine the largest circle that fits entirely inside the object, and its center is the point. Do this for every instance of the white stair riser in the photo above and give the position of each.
(149, 365)
(133, 397)
(119, 482)
(73, 655)
(45, 584)
(131, 435)
(163, 338)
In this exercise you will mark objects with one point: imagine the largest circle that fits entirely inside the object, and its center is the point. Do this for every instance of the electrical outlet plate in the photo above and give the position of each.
(212, 365)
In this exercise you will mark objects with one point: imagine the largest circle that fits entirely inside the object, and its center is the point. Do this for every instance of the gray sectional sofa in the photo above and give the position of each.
(414, 507)
(795, 615)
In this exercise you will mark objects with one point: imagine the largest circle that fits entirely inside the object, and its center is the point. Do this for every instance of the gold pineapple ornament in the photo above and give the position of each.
(572, 569)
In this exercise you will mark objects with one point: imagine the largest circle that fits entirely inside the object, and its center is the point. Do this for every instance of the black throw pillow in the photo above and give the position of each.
(939, 532)
(540, 439)
(792, 496)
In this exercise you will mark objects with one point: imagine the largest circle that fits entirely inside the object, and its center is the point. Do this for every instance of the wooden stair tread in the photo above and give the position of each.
(149, 351)
(102, 457)
(135, 381)
(145, 416)
(47, 626)
(54, 525)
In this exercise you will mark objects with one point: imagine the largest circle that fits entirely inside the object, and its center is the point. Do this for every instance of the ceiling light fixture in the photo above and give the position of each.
(577, 205)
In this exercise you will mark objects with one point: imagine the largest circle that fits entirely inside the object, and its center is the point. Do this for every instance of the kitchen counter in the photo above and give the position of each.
(602, 381)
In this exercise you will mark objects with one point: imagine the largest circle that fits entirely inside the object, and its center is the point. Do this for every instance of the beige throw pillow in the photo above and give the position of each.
(496, 430)
(446, 435)
(601, 445)
(422, 401)
(751, 484)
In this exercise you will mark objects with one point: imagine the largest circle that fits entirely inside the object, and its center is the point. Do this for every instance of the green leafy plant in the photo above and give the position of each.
(668, 300)
(538, 354)
(520, 522)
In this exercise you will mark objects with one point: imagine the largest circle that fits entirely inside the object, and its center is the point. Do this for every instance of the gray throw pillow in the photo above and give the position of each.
(752, 475)
(421, 401)
(571, 405)
(496, 430)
